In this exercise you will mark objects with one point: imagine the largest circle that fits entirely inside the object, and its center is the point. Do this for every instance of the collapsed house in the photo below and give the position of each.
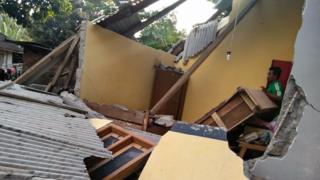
(143, 89)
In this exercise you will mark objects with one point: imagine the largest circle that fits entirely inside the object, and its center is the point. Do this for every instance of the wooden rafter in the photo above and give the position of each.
(63, 64)
(39, 67)
(155, 17)
(126, 12)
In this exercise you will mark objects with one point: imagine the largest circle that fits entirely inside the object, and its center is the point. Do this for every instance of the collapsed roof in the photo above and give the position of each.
(42, 140)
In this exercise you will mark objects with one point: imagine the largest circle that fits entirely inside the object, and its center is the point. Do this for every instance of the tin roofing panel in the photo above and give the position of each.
(44, 141)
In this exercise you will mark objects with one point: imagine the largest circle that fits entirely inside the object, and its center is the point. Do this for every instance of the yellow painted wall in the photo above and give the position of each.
(118, 70)
(267, 32)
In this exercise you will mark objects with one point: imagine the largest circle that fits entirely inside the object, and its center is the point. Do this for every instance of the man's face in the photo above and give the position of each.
(271, 76)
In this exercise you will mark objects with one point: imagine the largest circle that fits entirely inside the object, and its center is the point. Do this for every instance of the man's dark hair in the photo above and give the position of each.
(276, 71)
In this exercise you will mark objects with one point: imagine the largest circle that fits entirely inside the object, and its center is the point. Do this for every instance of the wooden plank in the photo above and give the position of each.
(208, 115)
(63, 64)
(253, 146)
(135, 117)
(248, 101)
(146, 121)
(261, 100)
(219, 121)
(35, 69)
(72, 72)
(202, 57)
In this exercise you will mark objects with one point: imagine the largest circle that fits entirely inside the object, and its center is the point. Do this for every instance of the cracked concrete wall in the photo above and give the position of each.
(291, 113)
(302, 160)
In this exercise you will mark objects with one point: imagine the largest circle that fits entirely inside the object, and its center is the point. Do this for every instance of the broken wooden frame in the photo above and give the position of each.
(130, 154)
(63, 55)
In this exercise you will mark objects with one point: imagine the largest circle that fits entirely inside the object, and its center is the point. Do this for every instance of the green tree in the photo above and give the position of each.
(52, 21)
(162, 34)
(28, 11)
(10, 28)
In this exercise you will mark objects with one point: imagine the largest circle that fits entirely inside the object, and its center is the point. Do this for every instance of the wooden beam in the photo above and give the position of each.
(35, 69)
(63, 64)
(155, 17)
(72, 71)
(126, 12)
(202, 57)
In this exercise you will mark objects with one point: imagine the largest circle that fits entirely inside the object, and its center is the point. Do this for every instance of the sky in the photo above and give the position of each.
(188, 13)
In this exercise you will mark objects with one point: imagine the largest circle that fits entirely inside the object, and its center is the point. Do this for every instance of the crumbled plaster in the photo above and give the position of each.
(82, 33)
(288, 121)
(292, 109)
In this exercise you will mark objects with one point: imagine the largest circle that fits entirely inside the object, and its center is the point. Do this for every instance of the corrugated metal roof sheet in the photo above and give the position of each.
(199, 38)
(43, 141)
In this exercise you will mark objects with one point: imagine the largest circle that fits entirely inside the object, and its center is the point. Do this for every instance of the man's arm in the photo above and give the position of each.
(274, 98)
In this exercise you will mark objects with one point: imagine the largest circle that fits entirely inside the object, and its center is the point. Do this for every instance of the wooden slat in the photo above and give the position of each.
(248, 101)
(35, 69)
(219, 121)
(202, 57)
(72, 72)
(132, 116)
(63, 64)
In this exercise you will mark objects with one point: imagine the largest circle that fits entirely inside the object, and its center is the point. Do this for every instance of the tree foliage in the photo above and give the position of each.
(52, 21)
(162, 34)
(10, 28)
(28, 11)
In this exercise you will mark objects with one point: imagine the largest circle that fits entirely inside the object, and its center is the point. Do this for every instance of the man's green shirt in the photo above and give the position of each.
(275, 88)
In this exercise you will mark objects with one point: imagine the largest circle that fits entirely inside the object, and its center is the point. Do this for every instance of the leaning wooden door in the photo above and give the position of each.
(164, 79)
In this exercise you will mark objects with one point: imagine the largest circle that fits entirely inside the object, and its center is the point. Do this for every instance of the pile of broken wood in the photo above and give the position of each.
(59, 65)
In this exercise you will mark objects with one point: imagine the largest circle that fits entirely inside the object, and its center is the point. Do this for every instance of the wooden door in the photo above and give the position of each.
(164, 79)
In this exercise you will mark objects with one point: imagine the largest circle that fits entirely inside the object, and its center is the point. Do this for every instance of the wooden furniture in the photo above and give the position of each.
(130, 153)
(246, 146)
(165, 78)
(244, 104)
